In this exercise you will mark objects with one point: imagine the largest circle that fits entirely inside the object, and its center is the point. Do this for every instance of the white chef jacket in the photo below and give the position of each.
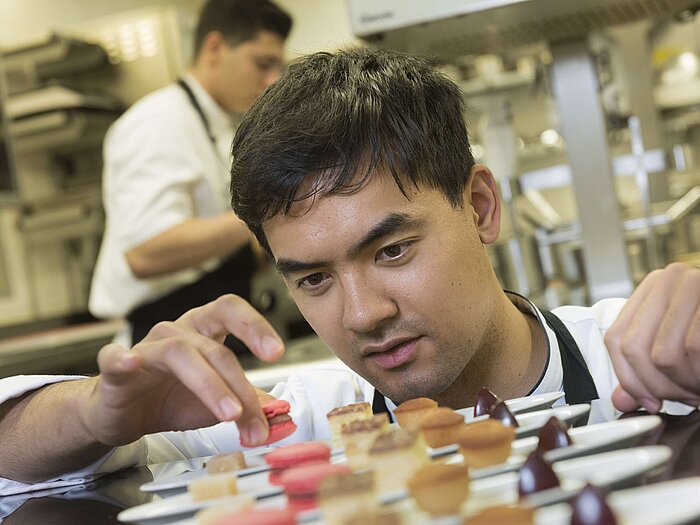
(160, 169)
(313, 392)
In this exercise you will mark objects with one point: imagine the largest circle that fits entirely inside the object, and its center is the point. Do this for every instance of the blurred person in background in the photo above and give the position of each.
(171, 242)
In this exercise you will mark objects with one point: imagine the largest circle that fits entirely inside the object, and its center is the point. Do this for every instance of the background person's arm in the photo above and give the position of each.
(188, 244)
(179, 377)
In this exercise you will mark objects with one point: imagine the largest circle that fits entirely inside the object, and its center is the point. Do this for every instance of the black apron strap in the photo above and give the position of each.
(579, 386)
(379, 405)
(195, 104)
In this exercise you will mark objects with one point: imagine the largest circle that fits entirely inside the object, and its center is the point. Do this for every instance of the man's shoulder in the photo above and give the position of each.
(164, 107)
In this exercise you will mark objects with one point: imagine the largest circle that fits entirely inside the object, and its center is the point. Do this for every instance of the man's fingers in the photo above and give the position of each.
(231, 314)
(117, 364)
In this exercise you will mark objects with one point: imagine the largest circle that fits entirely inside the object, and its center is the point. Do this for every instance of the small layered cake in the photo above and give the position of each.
(289, 456)
(395, 456)
(301, 483)
(358, 437)
(261, 517)
(214, 486)
(440, 489)
(502, 515)
(220, 513)
(409, 412)
(441, 427)
(344, 415)
(378, 517)
(226, 463)
(345, 495)
(485, 443)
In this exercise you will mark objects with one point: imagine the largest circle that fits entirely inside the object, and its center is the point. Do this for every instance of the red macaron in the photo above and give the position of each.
(289, 456)
(260, 517)
(301, 483)
(278, 419)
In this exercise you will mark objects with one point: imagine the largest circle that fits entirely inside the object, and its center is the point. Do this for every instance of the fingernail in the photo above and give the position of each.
(650, 405)
(257, 432)
(270, 346)
(230, 408)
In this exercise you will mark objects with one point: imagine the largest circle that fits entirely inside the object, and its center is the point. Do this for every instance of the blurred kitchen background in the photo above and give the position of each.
(587, 112)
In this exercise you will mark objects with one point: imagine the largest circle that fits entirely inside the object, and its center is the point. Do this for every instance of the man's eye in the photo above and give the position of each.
(393, 251)
(312, 281)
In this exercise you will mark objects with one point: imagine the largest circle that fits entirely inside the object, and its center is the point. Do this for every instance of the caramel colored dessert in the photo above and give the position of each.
(226, 463)
(441, 426)
(485, 443)
(213, 486)
(342, 416)
(502, 515)
(343, 496)
(409, 412)
(395, 456)
(214, 515)
(536, 475)
(358, 436)
(486, 401)
(440, 489)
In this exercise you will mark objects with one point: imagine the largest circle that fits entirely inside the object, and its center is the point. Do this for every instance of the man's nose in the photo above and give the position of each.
(271, 77)
(366, 304)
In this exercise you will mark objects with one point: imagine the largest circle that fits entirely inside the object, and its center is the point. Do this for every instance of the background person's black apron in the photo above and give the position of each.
(232, 276)
(578, 383)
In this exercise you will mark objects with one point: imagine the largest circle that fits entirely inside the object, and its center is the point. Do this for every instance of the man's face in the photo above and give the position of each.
(400, 289)
(244, 71)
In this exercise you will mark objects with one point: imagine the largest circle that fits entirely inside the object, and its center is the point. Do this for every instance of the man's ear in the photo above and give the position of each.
(211, 46)
(482, 193)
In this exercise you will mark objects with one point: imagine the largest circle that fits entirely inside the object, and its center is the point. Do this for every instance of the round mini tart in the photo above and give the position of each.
(301, 483)
(440, 426)
(289, 456)
(485, 443)
(409, 412)
(278, 420)
(503, 515)
(440, 489)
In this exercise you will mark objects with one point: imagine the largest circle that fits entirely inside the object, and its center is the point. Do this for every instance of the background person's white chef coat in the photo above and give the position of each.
(160, 169)
(313, 392)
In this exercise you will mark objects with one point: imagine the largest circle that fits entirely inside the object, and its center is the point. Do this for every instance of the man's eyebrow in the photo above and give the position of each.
(289, 266)
(391, 224)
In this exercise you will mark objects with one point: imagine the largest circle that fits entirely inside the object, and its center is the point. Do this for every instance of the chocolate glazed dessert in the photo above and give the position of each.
(504, 415)
(536, 475)
(485, 402)
(590, 508)
(553, 434)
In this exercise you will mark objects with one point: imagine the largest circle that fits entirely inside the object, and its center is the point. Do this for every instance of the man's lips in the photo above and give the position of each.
(392, 353)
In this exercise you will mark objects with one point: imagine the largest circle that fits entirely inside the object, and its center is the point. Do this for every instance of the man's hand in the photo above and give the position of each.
(655, 342)
(181, 377)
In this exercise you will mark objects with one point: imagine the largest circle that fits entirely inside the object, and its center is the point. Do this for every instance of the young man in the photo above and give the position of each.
(171, 242)
(354, 172)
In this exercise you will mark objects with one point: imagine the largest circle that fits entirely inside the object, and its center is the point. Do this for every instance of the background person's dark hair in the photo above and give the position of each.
(335, 117)
(240, 20)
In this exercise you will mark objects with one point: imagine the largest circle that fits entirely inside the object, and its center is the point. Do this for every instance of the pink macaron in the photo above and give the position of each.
(286, 457)
(278, 419)
(301, 483)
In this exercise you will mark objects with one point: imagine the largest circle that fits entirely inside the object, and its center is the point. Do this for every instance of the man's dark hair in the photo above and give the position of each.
(240, 20)
(335, 119)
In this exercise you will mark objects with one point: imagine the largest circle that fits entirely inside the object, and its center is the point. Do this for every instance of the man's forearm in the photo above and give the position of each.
(43, 436)
(187, 245)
